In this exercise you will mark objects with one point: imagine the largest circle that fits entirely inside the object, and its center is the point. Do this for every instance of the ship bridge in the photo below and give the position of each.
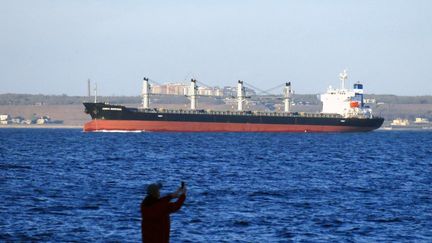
(345, 102)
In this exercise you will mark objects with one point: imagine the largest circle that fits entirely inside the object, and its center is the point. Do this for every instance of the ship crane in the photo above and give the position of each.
(343, 76)
(240, 95)
(95, 93)
(288, 96)
(146, 93)
(193, 94)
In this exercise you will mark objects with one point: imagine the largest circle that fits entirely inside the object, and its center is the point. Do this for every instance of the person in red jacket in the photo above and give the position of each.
(155, 211)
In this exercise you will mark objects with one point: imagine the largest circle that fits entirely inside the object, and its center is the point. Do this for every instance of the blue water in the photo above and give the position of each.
(64, 185)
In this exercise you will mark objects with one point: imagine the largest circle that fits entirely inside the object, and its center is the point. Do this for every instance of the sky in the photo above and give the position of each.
(55, 46)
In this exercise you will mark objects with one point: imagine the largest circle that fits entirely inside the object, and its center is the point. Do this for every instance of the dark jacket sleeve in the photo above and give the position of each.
(158, 209)
(175, 206)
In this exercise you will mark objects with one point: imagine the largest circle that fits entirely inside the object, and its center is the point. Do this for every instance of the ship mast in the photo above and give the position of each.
(95, 93)
(287, 96)
(240, 95)
(193, 94)
(145, 94)
(343, 76)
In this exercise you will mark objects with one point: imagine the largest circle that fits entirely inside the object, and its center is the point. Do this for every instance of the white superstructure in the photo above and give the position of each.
(348, 103)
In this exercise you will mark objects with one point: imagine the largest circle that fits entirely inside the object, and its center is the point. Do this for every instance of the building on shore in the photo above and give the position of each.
(232, 91)
(7, 120)
(183, 89)
(171, 89)
(370, 101)
(421, 120)
(400, 122)
(4, 119)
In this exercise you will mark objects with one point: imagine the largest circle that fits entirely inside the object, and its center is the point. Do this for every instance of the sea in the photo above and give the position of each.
(63, 185)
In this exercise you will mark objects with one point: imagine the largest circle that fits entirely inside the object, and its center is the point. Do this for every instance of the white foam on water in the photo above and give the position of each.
(121, 131)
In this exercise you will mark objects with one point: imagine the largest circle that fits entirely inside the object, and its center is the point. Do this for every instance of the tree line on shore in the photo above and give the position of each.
(40, 99)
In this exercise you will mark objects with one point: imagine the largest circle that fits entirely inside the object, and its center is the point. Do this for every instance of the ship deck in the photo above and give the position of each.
(237, 113)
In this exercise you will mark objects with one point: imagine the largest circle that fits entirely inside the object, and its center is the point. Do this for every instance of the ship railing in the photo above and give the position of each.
(249, 113)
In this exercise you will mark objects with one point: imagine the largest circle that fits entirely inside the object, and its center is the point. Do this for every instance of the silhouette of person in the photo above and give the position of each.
(156, 210)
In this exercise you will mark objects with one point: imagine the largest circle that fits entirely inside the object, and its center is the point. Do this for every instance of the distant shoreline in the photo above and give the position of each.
(34, 126)
(424, 129)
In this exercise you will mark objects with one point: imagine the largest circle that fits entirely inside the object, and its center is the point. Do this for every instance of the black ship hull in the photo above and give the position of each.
(115, 117)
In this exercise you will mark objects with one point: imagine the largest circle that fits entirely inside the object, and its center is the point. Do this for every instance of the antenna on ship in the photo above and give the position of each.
(343, 76)
(145, 93)
(287, 96)
(240, 95)
(193, 94)
(95, 93)
(88, 88)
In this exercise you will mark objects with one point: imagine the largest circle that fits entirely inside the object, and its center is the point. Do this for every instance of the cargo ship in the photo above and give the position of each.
(343, 111)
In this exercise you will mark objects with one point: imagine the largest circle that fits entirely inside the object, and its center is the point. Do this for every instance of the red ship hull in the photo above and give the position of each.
(174, 126)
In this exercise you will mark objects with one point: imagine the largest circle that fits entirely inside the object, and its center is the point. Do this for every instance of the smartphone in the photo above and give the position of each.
(182, 184)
